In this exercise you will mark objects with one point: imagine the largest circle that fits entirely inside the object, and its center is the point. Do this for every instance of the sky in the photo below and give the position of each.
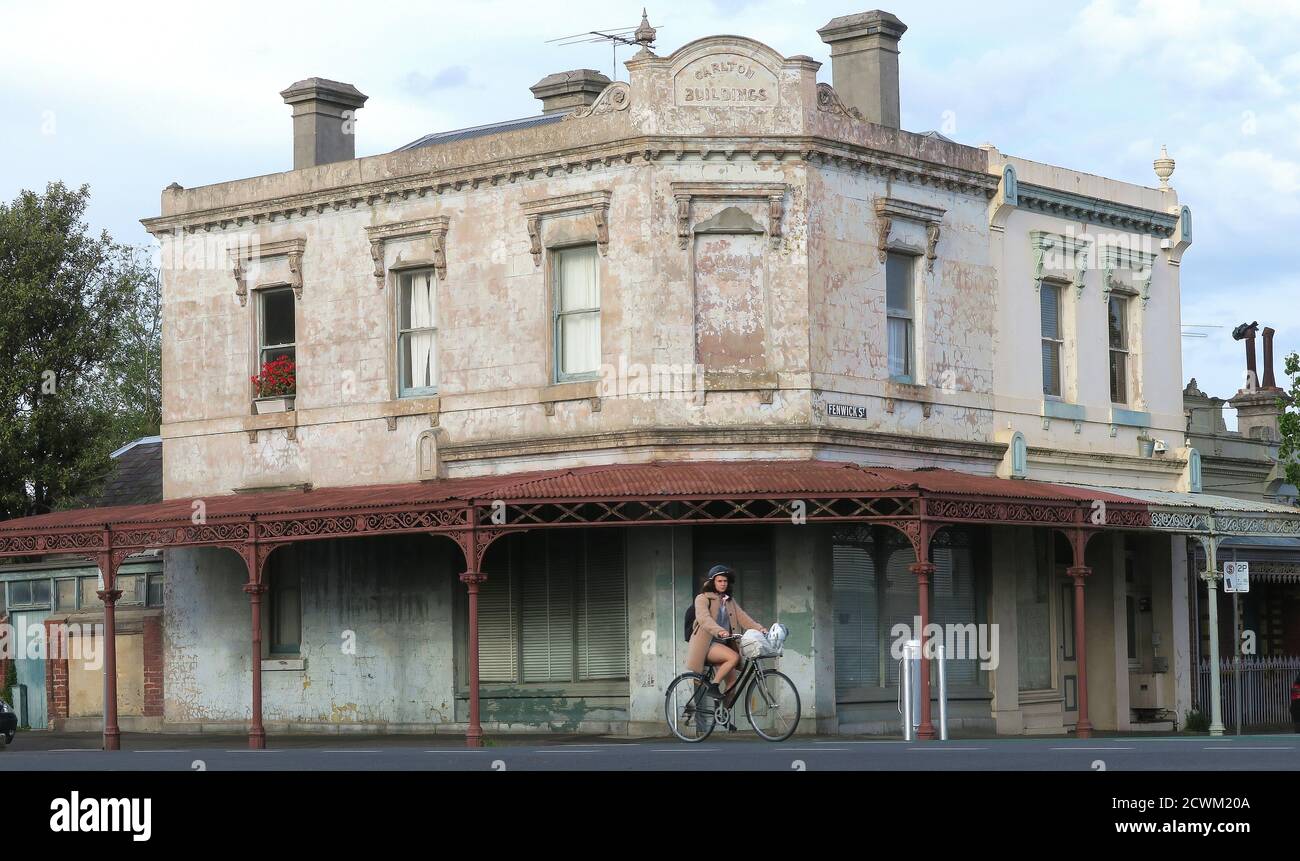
(131, 96)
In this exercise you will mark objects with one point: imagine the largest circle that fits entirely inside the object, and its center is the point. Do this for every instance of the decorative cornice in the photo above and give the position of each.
(1081, 207)
(685, 192)
(435, 228)
(240, 257)
(814, 150)
(595, 202)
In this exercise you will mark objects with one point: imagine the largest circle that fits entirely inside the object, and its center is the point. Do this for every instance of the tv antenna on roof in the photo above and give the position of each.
(642, 34)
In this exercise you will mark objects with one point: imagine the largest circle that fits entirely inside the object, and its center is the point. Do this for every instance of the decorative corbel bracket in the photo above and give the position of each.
(883, 225)
(931, 242)
(684, 193)
(241, 258)
(435, 228)
(890, 208)
(594, 202)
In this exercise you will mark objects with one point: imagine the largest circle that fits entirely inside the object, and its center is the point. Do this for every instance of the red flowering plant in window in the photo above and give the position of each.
(278, 378)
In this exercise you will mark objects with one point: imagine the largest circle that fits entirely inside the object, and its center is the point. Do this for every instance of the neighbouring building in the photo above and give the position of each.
(53, 602)
(1243, 463)
(721, 311)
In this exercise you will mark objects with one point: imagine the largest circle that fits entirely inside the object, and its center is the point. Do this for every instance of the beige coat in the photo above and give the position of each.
(707, 627)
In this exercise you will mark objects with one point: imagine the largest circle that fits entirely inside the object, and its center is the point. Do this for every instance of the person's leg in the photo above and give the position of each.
(725, 660)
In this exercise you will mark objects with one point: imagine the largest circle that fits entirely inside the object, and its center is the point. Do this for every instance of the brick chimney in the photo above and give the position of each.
(564, 91)
(864, 63)
(324, 121)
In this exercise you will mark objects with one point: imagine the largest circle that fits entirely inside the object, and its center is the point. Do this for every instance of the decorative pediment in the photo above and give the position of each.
(616, 97)
(1139, 265)
(1055, 253)
(594, 202)
(829, 101)
(686, 192)
(434, 228)
(890, 208)
(242, 257)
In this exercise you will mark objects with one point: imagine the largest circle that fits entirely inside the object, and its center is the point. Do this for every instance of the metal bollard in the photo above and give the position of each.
(906, 682)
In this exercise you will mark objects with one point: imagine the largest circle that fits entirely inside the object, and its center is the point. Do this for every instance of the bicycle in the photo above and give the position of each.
(771, 702)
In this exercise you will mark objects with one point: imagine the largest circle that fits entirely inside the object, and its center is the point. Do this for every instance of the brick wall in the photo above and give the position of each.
(153, 667)
(56, 672)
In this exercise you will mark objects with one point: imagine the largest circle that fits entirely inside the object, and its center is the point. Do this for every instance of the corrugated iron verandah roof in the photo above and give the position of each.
(673, 492)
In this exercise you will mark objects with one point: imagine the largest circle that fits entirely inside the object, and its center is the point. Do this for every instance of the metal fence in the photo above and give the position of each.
(1265, 691)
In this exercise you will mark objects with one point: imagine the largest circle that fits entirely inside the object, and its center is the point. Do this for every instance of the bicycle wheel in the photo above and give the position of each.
(772, 706)
(689, 708)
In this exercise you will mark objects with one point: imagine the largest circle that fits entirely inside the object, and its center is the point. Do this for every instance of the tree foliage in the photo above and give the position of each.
(1289, 452)
(78, 336)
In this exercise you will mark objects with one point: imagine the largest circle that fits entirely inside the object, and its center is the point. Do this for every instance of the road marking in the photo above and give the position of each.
(350, 751)
(247, 750)
(459, 750)
(1248, 748)
(810, 749)
(681, 749)
(162, 751)
(1092, 748)
(884, 741)
(945, 747)
(69, 749)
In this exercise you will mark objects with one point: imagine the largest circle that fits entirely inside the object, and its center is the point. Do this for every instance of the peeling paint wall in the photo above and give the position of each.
(376, 638)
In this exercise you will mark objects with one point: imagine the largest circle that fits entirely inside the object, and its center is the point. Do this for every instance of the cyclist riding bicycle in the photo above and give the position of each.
(718, 620)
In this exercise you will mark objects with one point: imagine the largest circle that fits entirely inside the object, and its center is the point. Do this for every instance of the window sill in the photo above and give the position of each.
(286, 664)
(1058, 409)
(1129, 418)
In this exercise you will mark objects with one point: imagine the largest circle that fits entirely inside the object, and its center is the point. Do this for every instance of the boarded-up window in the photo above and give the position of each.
(731, 301)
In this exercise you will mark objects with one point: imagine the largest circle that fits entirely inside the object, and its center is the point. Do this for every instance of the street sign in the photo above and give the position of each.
(1236, 576)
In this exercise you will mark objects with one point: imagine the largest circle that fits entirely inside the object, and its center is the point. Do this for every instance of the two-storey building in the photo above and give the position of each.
(719, 312)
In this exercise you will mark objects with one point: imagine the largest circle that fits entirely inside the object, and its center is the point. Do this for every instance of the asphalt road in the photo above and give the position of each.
(48, 752)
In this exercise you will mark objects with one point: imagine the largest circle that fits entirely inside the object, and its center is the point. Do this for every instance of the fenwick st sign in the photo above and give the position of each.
(846, 411)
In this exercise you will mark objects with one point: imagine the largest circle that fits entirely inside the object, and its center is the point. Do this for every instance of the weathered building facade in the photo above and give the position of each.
(721, 259)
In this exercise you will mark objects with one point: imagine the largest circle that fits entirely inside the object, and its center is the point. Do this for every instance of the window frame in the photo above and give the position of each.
(558, 313)
(1058, 342)
(908, 314)
(404, 391)
(1123, 349)
(260, 326)
(274, 597)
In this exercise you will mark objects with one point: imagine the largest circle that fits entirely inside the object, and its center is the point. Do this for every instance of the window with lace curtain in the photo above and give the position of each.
(577, 313)
(417, 332)
(899, 313)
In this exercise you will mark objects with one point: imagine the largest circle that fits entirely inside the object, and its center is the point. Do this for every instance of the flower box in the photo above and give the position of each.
(282, 404)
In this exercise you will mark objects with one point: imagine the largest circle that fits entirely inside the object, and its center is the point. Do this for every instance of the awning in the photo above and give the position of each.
(621, 494)
(1208, 514)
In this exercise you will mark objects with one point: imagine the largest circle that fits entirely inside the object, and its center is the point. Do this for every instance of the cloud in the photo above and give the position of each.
(419, 83)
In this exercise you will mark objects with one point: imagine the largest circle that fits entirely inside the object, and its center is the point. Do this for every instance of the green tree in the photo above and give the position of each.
(67, 302)
(1289, 452)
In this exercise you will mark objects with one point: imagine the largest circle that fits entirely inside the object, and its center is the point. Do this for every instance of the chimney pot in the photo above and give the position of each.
(565, 91)
(864, 63)
(324, 119)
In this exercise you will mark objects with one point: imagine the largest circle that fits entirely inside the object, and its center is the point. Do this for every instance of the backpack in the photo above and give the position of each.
(690, 620)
